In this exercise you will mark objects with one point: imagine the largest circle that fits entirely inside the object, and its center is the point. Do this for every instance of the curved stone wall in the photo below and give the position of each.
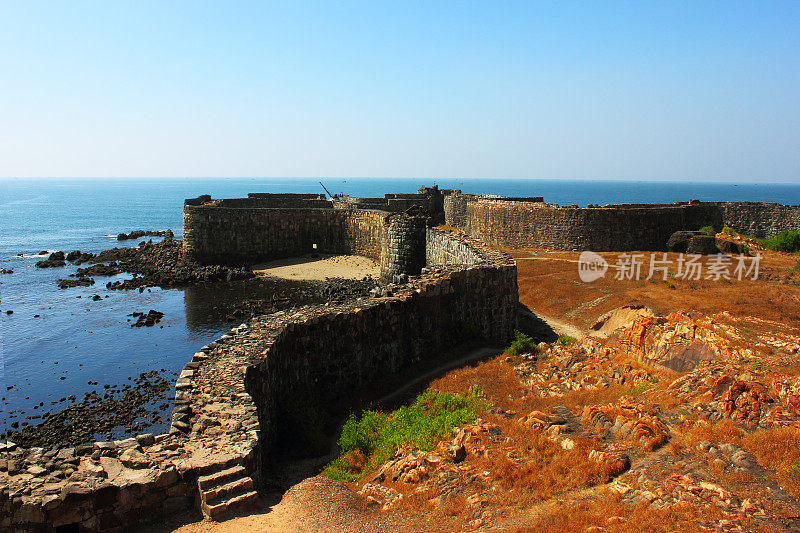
(241, 394)
(760, 219)
(611, 228)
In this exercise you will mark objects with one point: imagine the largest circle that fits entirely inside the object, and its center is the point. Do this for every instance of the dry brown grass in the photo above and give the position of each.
(546, 468)
(611, 515)
(549, 284)
(495, 378)
(777, 449)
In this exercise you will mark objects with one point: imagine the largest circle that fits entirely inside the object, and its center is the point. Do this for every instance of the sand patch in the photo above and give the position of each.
(320, 267)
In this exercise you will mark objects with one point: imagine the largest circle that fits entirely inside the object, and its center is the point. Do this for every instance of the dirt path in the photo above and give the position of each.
(315, 504)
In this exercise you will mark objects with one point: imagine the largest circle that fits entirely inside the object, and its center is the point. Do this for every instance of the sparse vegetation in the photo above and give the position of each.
(758, 365)
(785, 241)
(522, 344)
(708, 230)
(641, 387)
(372, 438)
(669, 284)
(565, 340)
(796, 267)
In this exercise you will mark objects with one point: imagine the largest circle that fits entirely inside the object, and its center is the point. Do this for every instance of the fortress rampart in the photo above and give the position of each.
(242, 396)
(523, 223)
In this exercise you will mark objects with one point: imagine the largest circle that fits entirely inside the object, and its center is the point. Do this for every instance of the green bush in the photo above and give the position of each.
(708, 230)
(362, 434)
(785, 241)
(431, 417)
(727, 230)
(795, 468)
(522, 344)
(565, 340)
(641, 387)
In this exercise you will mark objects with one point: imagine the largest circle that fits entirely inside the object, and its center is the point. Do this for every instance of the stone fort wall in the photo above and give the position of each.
(238, 397)
(246, 231)
(522, 223)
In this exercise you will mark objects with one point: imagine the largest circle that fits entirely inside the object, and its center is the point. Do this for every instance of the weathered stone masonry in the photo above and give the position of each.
(238, 233)
(523, 223)
(231, 398)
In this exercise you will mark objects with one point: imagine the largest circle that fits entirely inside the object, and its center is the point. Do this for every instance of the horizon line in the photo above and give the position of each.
(788, 181)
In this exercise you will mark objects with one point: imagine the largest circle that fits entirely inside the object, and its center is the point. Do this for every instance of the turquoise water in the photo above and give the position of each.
(81, 340)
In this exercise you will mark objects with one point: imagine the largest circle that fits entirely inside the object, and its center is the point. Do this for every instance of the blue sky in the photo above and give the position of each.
(603, 90)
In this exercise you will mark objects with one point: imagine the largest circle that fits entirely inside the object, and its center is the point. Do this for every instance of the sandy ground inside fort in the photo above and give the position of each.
(320, 267)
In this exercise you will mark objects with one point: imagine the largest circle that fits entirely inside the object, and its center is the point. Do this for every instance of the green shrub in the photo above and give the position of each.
(785, 241)
(708, 230)
(362, 434)
(641, 387)
(727, 230)
(522, 344)
(565, 340)
(795, 468)
(431, 417)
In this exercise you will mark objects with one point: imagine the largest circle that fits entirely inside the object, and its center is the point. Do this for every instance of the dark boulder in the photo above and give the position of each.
(703, 245)
(692, 242)
(56, 259)
(78, 282)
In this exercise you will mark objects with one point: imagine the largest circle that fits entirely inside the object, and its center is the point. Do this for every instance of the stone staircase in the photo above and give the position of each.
(226, 491)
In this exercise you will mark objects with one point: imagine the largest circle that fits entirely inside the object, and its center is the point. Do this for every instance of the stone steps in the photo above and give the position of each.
(225, 491)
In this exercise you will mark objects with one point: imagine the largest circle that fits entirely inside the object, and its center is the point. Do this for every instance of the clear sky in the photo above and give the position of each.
(630, 90)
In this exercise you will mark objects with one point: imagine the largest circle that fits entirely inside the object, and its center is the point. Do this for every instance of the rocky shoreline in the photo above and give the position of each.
(139, 406)
(134, 407)
(157, 265)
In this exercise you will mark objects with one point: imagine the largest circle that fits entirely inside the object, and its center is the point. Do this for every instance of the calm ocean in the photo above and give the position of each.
(75, 340)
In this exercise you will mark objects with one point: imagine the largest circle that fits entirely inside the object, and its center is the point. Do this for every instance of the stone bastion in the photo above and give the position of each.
(249, 393)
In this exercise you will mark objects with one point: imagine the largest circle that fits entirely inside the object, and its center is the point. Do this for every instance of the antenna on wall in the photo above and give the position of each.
(326, 190)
